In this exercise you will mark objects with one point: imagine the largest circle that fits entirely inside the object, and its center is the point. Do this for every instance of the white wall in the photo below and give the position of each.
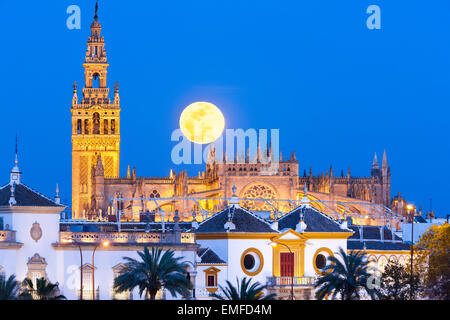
(16, 260)
(313, 245)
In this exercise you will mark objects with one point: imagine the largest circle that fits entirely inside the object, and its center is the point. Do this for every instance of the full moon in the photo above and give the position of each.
(202, 122)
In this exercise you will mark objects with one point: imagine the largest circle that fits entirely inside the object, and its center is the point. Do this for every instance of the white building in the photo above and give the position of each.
(290, 251)
(32, 244)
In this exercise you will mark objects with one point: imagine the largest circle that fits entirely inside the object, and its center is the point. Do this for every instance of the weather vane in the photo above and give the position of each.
(96, 8)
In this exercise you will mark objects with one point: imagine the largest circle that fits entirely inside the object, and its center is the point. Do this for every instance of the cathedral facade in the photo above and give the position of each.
(96, 179)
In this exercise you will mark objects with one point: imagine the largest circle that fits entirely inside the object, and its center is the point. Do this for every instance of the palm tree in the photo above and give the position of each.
(152, 272)
(45, 290)
(243, 291)
(9, 289)
(347, 277)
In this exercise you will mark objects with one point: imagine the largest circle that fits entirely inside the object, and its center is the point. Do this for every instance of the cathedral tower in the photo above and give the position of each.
(95, 124)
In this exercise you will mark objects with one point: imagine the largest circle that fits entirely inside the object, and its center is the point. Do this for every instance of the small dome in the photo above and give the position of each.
(96, 24)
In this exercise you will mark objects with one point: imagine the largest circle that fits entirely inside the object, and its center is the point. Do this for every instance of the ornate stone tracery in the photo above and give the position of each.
(258, 191)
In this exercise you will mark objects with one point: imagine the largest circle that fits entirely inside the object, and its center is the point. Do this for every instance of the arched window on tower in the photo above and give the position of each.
(96, 77)
(86, 126)
(96, 122)
(105, 126)
(79, 129)
(113, 126)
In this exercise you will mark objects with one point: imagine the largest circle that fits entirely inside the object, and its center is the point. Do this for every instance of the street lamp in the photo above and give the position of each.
(411, 213)
(274, 243)
(81, 264)
(104, 243)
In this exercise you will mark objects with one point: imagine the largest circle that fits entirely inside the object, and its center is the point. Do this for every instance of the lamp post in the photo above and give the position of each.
(411, 214)
(274, 243)
(104, 243)
(81, 264)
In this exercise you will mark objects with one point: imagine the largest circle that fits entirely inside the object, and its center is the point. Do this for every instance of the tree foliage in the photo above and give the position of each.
(41, 290)
(396, 282)
(245, 290)
(9, 288)
(152, 272)
(345, 276)
(433, 261)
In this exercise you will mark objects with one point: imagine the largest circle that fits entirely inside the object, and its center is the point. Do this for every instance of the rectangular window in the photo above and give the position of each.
(211, 281)
(87, 280)
(286, 264)
(35, 275)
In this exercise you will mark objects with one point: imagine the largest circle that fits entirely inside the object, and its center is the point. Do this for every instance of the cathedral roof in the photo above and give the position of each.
(25, 196)
(208, 256)
(372, 233)
(315, 221)
(243, 220)
(369, 237)
(377, 245)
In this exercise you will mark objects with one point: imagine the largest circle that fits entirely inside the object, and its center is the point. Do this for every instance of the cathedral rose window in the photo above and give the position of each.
(258, 191)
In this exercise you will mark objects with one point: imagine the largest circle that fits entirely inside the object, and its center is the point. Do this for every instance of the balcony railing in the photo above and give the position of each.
(287, 281)
(126, 237)
(87, 294)
(7, 236)
(128, 295)
(201, 292)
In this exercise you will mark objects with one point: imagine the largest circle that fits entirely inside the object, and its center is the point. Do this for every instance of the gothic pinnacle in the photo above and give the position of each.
(384, 163)
(375, 162)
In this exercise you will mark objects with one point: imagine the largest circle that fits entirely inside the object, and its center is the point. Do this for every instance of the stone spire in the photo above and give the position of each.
(116, 100)
(75, 96)
(375, 162)
(57, 198)
(384, 165)
(15, 175)
(384, 162)
(99, 170)
(375, 167)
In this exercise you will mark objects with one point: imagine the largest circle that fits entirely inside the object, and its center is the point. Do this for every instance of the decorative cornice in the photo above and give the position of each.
(126, 246)
(11, 245)
(233, 235)
(32, 209)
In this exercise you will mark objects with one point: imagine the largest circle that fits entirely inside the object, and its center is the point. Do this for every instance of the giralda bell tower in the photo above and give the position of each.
(95, 124)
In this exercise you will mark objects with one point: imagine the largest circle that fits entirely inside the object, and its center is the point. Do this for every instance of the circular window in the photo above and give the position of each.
(252, 261)
(249, 262)
(321, 261)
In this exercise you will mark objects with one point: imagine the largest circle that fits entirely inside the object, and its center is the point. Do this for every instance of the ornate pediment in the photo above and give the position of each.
(36, 259)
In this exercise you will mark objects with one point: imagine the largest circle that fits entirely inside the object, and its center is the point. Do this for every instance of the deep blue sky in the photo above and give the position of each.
(337, 91)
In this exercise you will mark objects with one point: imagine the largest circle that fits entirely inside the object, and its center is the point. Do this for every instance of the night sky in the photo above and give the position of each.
(337, 91)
